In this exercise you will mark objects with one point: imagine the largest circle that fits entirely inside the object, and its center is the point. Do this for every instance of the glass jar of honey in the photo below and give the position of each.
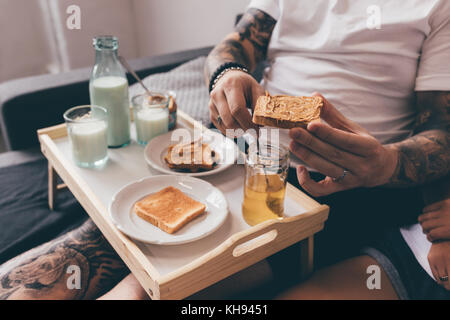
(266, 170)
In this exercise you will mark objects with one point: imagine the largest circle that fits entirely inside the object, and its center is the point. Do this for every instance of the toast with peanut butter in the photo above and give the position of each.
(286, 112)
(191, 157)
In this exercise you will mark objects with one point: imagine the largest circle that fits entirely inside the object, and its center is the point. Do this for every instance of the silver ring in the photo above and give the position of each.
(219, 120)
(344, 173)
(444, 278)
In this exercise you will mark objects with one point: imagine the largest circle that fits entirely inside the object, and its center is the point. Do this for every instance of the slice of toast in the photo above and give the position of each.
(192, 157)
(286, 111)
(169, 209)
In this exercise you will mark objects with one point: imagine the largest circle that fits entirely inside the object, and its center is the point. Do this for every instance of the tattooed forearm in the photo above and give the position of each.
(425, 157)
(41, 273)
(247, 45)
(434, 111)
(422, 158)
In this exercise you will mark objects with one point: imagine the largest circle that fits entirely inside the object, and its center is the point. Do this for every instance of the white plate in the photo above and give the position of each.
(157, 148)
(127, 221)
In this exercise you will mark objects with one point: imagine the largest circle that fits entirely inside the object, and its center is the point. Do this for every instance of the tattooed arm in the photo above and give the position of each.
(425, 157)
(247, 45)
(42, 273)
(236, 91)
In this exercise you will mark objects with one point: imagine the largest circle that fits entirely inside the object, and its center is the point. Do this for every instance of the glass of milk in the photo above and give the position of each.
(151, 116)
(87, 128)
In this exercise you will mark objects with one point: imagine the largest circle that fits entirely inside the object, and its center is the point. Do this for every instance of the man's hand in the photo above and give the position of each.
(233, 93)
(340, 145)
(236, 91)
(435, 221)
(439, 259)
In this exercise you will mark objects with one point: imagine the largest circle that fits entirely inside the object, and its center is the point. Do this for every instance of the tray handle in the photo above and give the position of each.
(252, 244)
(273, 232)
(242, 250)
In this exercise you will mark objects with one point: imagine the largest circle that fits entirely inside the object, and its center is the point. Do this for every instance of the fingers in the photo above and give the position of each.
(342, 132)
(434, 271)
(214, 115)
(429, 225)
(446, 284)
(441, 271)
(317, 189)
(257, 91)
(429, 216)
(363, 145)
(439, 259)
(327, 151)
(315, 161)
(336, 119)
(232, 95)
(220, 101)
(434, 207)
(238, 109)
(439, 233)
(435, 224)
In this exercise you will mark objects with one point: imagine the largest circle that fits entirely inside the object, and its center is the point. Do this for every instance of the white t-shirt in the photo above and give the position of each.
(370, 74)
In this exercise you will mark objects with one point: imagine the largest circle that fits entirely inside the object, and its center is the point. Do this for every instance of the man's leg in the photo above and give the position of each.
(127, 289)
(50, 270)
(346, 280)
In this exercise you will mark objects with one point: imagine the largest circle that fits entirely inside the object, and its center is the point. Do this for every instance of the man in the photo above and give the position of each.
(387, 128)
(383, 68)
(370, 75)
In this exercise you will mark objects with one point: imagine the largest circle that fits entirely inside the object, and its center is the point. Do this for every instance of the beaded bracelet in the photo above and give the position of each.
(220, 72)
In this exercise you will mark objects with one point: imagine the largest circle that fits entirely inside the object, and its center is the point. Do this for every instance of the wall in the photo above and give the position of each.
(35, 39)
(98, 17)
(24, 50)
(173, 25)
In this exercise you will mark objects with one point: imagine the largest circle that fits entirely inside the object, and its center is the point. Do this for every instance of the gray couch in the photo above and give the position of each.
(37, 102)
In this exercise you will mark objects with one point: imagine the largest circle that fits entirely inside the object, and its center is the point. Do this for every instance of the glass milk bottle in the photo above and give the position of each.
(108, 88)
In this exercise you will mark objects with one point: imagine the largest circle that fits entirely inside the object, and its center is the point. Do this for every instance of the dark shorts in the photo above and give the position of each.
(358, 217)
(407, 276)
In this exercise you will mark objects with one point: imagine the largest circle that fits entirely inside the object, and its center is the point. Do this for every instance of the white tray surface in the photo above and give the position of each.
(127, 164)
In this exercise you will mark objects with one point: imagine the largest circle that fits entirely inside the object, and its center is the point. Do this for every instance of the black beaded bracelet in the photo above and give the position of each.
(222, 69)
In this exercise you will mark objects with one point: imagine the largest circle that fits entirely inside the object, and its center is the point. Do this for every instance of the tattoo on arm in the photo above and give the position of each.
(247, 45)
(41, 273)
(425, 157)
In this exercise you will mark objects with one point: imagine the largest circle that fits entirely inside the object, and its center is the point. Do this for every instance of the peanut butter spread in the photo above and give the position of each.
(289, 108)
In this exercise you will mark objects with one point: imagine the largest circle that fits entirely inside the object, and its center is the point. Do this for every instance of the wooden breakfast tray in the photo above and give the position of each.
(175, 272)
